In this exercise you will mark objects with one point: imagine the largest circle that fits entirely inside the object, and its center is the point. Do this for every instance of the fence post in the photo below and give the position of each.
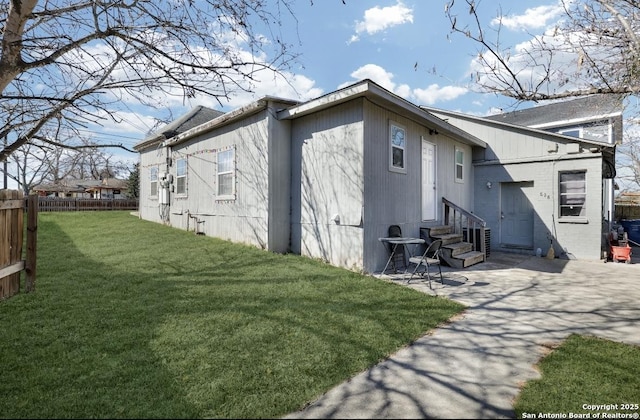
(32, 241)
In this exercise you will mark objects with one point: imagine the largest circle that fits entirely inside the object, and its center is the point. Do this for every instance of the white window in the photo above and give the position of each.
(226, 174)
(153, 178)
(573, 132)
(573, 194)
(459, 165)
(397, 148)
(181, 176)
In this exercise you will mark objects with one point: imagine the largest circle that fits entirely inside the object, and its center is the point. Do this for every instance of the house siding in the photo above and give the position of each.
(279, 167)
(582, 240)
(395, 198)
(512, 156)
(341, 167)
(241, 219)
(327, 181)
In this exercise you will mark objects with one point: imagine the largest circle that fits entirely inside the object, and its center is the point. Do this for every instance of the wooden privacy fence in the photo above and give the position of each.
(12, 206)
(85, 204)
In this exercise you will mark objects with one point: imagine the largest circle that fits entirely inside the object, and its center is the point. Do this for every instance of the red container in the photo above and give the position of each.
(621, 253)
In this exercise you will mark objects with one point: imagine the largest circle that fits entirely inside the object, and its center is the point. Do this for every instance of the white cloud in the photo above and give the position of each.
(435, 93)
(285, 86)
(533, 18)
(428, 96)
(379, 19)
(380, 76)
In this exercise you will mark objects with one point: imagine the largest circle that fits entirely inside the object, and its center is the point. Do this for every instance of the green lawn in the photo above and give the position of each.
(132, 319)
(585, 375)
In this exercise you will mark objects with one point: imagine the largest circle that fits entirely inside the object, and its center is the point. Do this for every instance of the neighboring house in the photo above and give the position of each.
(327, 177)
(593, 117)
(108, 188)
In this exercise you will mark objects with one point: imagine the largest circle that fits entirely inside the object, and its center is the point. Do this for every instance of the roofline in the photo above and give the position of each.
(224, 119)
(372, 91)
(575, 121)
(517, 127)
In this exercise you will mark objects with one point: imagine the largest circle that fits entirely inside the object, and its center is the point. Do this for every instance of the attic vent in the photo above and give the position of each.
(573, 148)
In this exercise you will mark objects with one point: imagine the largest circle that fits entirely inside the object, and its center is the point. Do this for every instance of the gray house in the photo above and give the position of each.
(538, 189)
(598, 118)
(327, 177)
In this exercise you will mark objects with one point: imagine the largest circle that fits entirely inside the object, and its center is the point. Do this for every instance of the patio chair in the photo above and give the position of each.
(430, 257)
(399, 259)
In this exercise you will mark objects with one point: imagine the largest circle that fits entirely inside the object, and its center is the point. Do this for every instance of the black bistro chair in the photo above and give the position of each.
(399, 259)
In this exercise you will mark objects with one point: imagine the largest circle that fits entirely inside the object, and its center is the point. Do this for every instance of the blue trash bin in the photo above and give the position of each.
(632, 227)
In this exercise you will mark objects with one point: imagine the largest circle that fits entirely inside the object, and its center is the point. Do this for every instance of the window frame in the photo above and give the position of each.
(231, 171)
(154, 173)
(179, 176)
(568, 131)
(456, 164)
(581, 217)
(394, 130)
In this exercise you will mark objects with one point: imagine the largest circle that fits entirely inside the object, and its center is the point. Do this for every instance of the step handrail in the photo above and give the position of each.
(456, 207)
(472, 221)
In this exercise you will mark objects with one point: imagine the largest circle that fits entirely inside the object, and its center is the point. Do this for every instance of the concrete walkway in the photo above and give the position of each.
(518, 308)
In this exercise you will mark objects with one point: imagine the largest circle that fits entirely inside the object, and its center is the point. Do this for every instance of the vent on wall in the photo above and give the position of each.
(573, 148)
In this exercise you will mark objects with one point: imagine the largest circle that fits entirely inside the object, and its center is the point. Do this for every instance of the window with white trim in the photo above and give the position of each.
(459, 164)
(573, 132)
(153, 179)
(181, 176)
(226, 176)
(397, 148)
(573, 194)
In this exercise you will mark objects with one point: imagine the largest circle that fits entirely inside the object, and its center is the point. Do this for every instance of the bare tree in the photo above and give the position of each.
(42, 162)
(594, 48)
(629, 151)
(68, 64)
(29, 166)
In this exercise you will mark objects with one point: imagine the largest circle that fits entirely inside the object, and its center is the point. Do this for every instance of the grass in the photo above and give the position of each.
(585, 371)
(132, 319)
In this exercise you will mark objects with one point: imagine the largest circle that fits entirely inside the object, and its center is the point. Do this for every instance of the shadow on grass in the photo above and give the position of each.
(147, 321)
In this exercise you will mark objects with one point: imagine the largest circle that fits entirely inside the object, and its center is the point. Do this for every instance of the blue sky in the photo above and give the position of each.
(405, 46)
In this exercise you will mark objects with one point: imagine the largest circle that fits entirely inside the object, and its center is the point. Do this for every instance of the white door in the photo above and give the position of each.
(428, 180)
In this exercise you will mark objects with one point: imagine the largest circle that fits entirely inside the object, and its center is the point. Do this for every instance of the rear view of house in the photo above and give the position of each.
(327, 177)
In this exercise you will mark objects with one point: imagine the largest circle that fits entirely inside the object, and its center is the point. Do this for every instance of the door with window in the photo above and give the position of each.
(516, 215)
(428, 181)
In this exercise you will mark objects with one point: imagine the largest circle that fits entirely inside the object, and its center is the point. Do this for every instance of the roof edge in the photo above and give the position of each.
(488, 121)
